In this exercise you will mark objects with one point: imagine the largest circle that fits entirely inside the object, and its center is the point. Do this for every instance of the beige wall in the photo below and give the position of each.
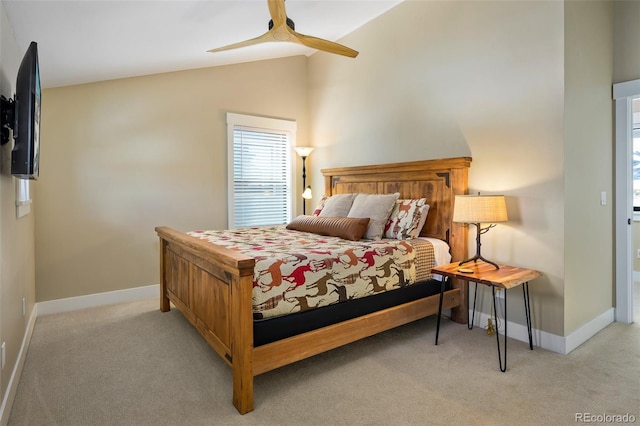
(626, 15)
(442, 79)
(588, 161)
(121, 157)
(17, 278)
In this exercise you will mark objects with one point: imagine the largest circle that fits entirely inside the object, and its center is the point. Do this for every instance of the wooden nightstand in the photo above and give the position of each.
(504, 278)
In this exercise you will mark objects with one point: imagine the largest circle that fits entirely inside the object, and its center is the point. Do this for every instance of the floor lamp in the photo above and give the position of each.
(303, 152)
(477, 209)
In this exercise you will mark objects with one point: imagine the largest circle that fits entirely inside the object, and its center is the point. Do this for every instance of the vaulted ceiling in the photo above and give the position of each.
(81, 41)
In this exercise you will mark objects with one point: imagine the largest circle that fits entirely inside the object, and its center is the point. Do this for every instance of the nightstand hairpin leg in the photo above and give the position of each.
(495, 318)
(442, 282)
(473, 312)
(527, 311)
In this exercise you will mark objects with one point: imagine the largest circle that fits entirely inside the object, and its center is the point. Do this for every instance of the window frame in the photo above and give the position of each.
(23, 197)
(278, 125)
(634, 136)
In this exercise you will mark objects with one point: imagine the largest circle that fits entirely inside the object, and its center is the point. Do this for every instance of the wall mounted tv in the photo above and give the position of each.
(22, 115)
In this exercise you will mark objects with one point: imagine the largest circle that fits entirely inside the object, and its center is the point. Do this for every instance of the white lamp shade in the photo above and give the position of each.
(480, 209)
(304, 151)
(307, 193)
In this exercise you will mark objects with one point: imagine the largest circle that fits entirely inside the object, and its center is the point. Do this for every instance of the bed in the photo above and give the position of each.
(212, 285)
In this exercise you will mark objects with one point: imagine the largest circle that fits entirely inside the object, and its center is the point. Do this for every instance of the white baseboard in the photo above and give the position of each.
(14, 380)
(98, 299)
(549, 341)
(588, 330)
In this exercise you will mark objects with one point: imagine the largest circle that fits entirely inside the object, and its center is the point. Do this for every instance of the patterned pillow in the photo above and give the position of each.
(405, 219)
(423, 219)
(320, 206)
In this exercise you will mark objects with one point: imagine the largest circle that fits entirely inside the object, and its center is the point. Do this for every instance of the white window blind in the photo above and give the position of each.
(260, 171)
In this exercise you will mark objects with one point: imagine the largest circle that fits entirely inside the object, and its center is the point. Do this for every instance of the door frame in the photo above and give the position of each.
(623, 95)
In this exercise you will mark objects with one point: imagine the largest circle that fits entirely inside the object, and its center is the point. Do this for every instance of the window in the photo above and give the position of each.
(259, 172)
(23, 197)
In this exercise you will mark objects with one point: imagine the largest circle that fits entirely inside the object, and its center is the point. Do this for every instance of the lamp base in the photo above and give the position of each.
(478, 256)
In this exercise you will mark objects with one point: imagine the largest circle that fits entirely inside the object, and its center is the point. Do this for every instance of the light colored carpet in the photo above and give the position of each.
(130, 364)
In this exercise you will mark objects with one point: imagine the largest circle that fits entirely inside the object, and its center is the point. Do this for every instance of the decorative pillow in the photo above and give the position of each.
(423, 219)
(320, 206)
(405, 219)
(377, 207)
(338, 205)
(344, 227)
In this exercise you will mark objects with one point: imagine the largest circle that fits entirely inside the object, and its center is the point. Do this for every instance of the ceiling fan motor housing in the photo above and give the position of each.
(290, 23)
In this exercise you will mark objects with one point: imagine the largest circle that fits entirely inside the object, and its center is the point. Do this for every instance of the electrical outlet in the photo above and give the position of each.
(3, 354)
(490, 328)
(638, 254)
(24, 306)
(500, 293)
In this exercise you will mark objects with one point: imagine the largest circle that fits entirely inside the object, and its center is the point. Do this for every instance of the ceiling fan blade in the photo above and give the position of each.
(278, 12)
(262, 39)
(282, 29)
(324, 45)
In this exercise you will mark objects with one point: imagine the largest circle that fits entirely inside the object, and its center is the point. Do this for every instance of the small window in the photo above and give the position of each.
(260, 175)
(23, 197)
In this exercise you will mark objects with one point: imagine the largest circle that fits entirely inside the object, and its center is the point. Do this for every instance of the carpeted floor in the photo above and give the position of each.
(130, 364)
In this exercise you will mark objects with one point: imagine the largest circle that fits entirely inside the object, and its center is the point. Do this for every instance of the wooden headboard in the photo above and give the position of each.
(436, 180)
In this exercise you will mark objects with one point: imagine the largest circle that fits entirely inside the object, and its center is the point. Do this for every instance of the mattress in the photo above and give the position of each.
(298, 271)
(273, 329)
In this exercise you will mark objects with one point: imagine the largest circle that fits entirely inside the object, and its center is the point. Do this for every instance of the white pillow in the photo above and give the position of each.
(338, 205)
(377, 207)
(423, 219)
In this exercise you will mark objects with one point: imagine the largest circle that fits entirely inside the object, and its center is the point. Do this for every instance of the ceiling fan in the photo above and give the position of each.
(281, 28)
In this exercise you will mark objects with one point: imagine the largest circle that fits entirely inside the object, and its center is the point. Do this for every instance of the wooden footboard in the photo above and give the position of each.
(212, 287)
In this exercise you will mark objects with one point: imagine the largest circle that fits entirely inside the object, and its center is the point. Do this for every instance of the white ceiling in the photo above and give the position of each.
(81, 41)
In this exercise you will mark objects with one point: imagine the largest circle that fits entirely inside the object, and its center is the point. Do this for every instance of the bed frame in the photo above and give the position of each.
(212, 286)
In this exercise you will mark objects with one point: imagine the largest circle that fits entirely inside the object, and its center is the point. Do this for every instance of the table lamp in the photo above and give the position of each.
(477, 209)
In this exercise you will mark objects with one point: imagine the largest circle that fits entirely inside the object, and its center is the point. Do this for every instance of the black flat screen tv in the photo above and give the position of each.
(25, 156)
(22, 115)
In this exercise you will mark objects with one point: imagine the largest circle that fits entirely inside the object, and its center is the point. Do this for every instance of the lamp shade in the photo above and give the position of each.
(307, 195)
(480, 209)
(304, 151)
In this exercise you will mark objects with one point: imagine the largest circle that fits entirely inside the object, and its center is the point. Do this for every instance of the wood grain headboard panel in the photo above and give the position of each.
(436, 180)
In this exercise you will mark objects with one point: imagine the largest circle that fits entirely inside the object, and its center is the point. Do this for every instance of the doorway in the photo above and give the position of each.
(623, 95)
(635, 171)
